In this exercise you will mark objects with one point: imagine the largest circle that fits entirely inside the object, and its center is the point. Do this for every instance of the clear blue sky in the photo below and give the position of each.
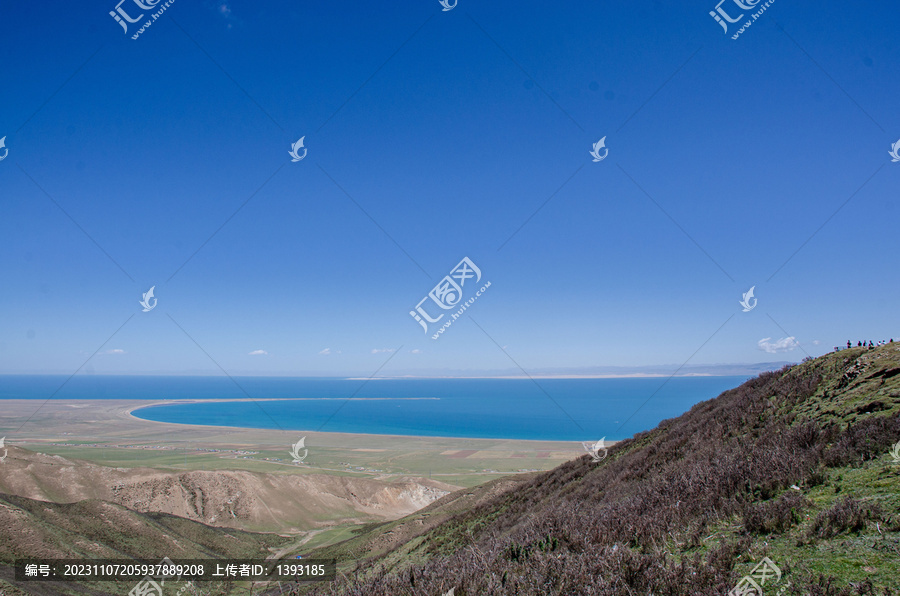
(449, 130)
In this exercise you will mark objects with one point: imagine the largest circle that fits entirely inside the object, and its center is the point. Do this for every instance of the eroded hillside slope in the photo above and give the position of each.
(238, 499)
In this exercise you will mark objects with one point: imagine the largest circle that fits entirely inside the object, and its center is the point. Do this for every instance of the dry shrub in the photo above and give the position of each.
(847, 515)
(776, 516)
(865, 440)
(828, 586)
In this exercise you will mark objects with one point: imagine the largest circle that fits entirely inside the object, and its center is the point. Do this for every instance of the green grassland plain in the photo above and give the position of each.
(106, 433)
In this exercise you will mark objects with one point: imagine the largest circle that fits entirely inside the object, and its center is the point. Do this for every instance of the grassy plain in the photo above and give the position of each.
(104, 432)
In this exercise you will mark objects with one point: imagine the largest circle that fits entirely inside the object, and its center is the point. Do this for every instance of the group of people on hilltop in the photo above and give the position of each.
(862, 344)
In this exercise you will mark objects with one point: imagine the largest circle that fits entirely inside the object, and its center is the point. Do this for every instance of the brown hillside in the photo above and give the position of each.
(239, 499)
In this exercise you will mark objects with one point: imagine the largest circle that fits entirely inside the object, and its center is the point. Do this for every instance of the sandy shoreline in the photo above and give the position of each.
(548, 377)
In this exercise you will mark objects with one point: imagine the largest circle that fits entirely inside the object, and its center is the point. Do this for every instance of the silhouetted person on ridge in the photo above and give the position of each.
(849, 345)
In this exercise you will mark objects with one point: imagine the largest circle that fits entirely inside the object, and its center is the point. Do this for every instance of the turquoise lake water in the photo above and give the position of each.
(557, 409)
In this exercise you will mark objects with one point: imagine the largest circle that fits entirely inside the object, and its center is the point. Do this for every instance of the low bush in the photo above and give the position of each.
(847, 515)
(775, 516)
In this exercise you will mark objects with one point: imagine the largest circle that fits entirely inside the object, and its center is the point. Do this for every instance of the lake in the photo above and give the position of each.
(544, 409)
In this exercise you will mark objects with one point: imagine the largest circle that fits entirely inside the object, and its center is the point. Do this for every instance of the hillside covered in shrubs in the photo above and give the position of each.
(793, 467)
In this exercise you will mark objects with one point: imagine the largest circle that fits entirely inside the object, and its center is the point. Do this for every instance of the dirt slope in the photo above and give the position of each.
(239, 499)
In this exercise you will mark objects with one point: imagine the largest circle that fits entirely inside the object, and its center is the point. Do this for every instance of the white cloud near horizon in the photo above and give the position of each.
(383, 350)
(785, 344)
(416, 351)
(115, 351)
(329, 352)
(258, 353)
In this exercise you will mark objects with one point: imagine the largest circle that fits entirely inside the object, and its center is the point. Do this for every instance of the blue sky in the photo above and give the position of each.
(435, 135)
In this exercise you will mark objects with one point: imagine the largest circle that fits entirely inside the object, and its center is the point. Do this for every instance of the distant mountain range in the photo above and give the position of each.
(663, 370)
